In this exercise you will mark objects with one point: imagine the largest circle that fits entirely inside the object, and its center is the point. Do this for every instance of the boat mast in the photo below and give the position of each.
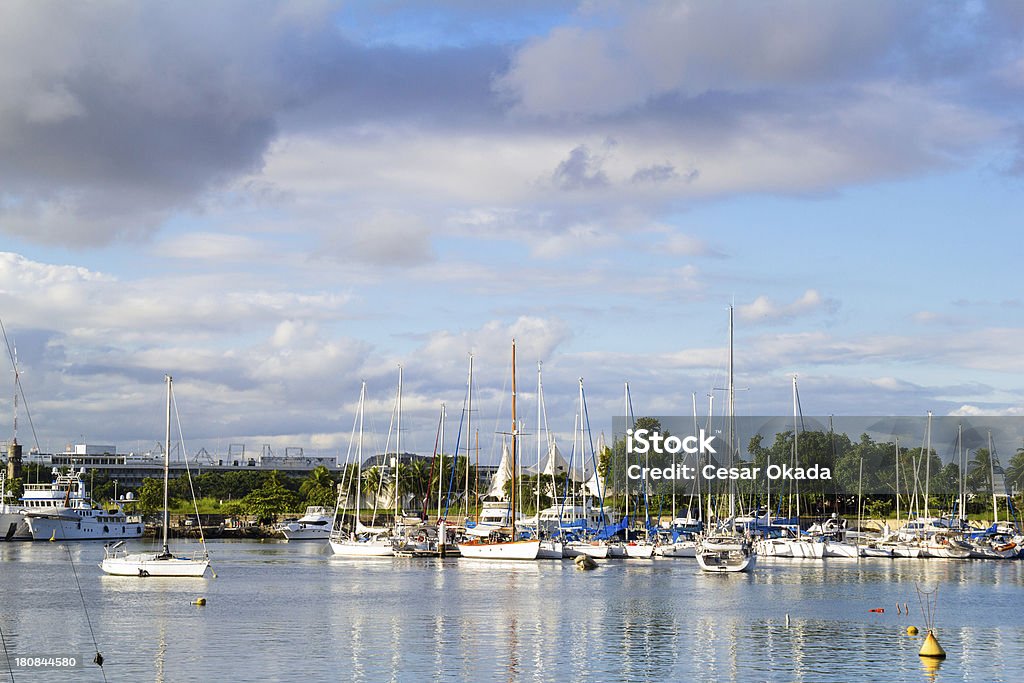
(927, 465)
(729, 427)
(540, 394)
(515, 427)
(796, 449)
(440, 464)
(469, 430)
(897, 480)
(398, 452)
(992, 479)
(629, 422)
(167, 459)
(359, 462)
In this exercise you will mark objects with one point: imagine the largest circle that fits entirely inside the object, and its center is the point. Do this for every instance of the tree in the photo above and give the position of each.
(151, 496)
(318, 488)
(269, 500)
(1015, 471)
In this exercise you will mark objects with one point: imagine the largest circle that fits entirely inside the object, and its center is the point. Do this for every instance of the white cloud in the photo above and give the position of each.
(763, 308)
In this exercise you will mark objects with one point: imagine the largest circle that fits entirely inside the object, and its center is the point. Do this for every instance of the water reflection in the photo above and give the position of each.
(281, 610)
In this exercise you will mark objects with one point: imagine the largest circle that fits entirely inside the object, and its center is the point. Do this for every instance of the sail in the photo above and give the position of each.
(555, 465)
(502, 476)
(595, 485)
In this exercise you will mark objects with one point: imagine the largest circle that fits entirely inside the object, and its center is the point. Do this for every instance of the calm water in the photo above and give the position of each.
(290, 612)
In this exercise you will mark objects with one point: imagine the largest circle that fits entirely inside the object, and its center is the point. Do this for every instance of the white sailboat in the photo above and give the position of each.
(360, 541)
(727, 551)
(504, 544)
(118, 562)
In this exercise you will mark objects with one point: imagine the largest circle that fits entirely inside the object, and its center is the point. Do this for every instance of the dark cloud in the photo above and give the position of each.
(115, 118)
(581, 171)
(655, 174)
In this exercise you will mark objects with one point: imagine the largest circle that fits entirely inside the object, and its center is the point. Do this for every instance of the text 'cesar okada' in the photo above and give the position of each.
(645, 441)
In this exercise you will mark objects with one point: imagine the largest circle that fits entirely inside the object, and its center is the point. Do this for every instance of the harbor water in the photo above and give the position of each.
(293, 612)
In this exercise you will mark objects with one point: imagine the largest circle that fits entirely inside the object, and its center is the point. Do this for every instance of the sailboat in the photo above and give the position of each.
(502, 544)
(726, 550)
(360, 541)
(118, 561)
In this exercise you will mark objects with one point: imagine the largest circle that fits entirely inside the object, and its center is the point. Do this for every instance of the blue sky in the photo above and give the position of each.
(273, 201)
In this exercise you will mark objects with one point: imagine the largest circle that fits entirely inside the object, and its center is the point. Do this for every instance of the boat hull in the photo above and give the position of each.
(306, 534)
(639, 551)
(152, 564)
(550, 550)
(576, 548)
(511, 550)
(13, 527)
(725, 554)
(680, 549)
(362, 549)
(71, 528)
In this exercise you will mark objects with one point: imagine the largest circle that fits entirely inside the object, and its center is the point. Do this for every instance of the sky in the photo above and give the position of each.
(275, 201)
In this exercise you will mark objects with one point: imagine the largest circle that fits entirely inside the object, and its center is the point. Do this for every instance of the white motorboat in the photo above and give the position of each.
(61, 511)
(314, 525)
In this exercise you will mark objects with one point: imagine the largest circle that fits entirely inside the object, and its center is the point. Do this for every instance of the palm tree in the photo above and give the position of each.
(318, 487)
(979, 472)
(372, 480)
(1015, 471)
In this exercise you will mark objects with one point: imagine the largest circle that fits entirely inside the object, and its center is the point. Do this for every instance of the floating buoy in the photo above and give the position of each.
(201, 602)
(878, 610)
(911, 630)
(787, 621)
(931, 647)
(53, 535)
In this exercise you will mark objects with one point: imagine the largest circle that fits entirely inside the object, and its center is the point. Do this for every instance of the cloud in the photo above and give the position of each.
(383, 238)
(581, 171)
(120, 116)
(763, 308)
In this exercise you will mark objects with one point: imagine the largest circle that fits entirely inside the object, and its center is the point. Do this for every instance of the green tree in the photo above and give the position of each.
(318, 488)
(979, 472)
(151, 496)
(269, 500)
(1015, 471)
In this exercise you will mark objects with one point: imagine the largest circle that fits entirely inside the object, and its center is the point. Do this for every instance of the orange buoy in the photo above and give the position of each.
(878, 610)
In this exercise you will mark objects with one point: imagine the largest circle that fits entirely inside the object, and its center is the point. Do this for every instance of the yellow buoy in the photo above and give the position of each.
(911, 630)
(931, 647)
(200, 602)
(53, 535)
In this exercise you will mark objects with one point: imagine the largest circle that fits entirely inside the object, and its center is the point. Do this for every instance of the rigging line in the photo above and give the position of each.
(191, 486)
(455, 455)
(10, 669)
(21, 389)
(98, 659)
(593, 456)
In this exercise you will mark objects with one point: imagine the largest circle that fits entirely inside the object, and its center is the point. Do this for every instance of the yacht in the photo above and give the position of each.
(315, 525)
(61, 511)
